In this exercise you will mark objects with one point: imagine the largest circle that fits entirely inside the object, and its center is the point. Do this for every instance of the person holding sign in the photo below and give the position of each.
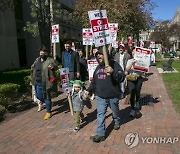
(105, 85)
(134, 79)
(70, 59)
(44, 79)
(78, 102)
(122, 57)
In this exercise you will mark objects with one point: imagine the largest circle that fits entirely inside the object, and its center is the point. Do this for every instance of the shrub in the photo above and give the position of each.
(16, 77)
(3, 100)
(7, 92)
(27, 81)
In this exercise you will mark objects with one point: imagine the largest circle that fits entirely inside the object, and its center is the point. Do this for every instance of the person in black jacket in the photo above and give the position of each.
(83, 65)
(70, 59)
(107, 92)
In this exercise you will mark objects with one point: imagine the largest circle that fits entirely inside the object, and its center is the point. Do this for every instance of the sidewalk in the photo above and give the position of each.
(29, 133)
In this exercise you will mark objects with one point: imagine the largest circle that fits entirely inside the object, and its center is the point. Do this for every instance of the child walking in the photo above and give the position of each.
(78, 102)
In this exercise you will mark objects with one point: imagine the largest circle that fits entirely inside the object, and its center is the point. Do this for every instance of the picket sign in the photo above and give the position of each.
(55, 38)
(101, 32)
(92, 64)
(64, 75)
(87, 36)
(142, 56)
(100, 27)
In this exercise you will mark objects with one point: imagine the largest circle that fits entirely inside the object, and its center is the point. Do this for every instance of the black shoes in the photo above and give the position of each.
(116, 126)
(97, 138)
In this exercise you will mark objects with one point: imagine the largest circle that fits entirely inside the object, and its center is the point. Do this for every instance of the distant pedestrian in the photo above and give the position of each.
(70, 60)
(44, 79)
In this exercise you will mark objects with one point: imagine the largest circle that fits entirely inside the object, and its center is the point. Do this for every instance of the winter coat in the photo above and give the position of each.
(77, 101)
(47, 73)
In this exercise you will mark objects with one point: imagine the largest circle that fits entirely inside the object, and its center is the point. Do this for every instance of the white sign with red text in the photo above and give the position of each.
(100, 27)
(115, 44)
(92, 64)
(87, 36)
(64, 75)
(55, 34)
(142, 56)
(113, 27)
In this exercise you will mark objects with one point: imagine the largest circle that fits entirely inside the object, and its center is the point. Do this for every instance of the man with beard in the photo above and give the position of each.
(105, 85)
(70, 59)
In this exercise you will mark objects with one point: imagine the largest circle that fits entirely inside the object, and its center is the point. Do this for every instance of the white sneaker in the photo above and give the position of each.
(92, 97)
(39, 106)
(137, 106)
(132, 113)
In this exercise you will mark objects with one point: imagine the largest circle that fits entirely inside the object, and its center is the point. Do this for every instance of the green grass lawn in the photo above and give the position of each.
(172, 83)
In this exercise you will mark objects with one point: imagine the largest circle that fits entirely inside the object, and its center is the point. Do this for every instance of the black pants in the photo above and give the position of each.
(135, 90)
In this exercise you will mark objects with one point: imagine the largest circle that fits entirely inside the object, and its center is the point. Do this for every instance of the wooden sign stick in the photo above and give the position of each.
(70, 104)
(86, 52)
(105, 56)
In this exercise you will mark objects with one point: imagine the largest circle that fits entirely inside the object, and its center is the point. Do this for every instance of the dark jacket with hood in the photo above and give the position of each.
(107, 86)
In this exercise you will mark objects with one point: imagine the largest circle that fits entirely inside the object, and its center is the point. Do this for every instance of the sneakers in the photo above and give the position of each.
(116, 126)
(39, 106)
(132, 113)
(97, 138)
(76, 129)
(92, 97)
(47, 116)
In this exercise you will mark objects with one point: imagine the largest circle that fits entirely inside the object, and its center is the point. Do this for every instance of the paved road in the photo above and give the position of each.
(29, 133)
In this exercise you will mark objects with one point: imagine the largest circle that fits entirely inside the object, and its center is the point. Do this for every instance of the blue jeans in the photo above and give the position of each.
(102, 105)
(40, 95)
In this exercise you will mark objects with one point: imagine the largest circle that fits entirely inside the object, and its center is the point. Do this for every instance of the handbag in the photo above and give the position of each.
(131, 77)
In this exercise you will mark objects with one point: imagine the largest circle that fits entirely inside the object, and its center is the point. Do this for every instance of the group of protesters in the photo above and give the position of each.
(109, 83)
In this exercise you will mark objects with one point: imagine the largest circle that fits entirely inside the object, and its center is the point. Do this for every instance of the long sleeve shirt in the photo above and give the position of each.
(107, 86)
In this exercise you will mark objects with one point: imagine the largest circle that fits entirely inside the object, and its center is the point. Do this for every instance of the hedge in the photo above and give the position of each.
(7, 92)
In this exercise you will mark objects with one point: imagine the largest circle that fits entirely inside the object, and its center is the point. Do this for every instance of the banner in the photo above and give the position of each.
(100, 27)
(64, 75)
(92, 64)
(87, 36)
(142, 56)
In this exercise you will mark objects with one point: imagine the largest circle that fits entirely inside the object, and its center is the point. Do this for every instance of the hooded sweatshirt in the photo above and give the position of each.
(107, 86)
